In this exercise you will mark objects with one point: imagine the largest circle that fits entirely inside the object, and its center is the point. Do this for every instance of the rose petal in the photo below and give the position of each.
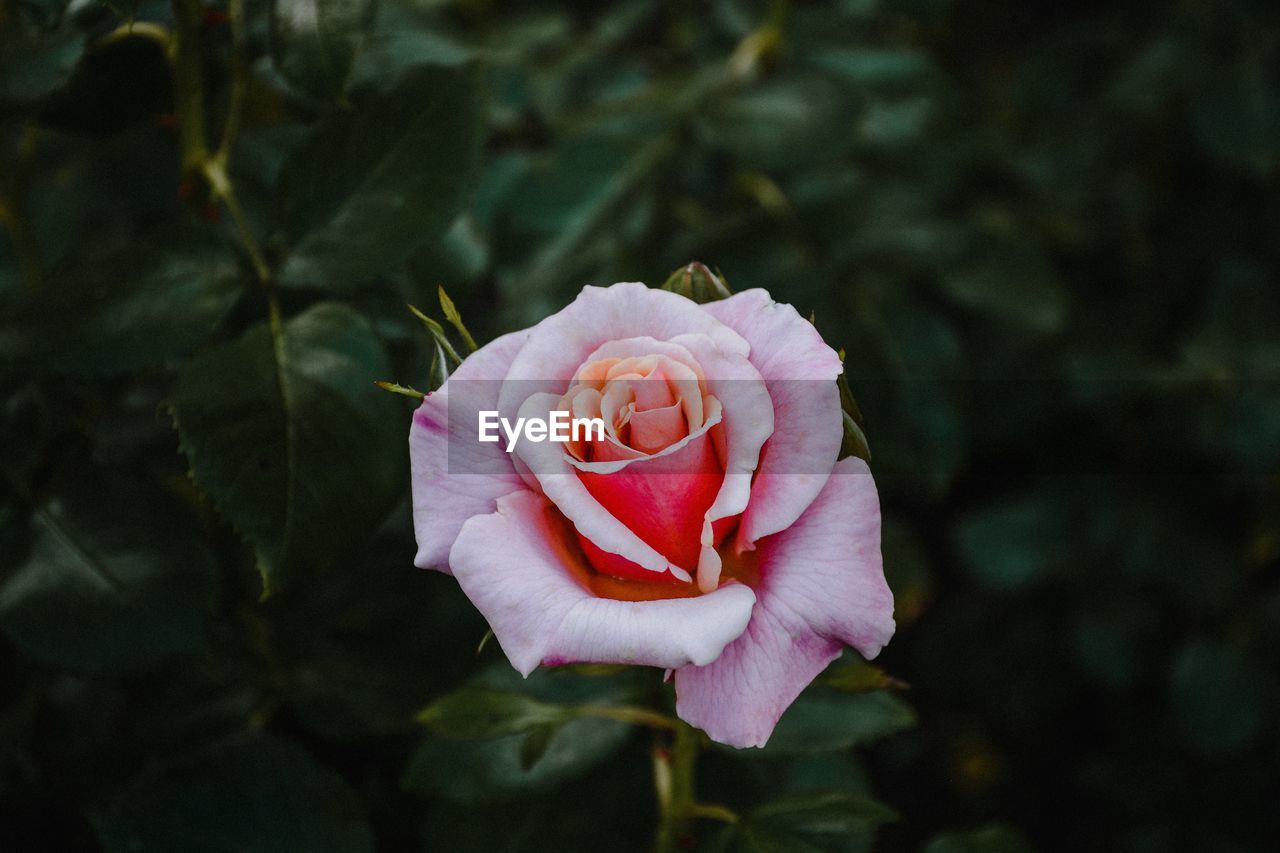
(520, 569)
(654, 429)
(793, 358)
(748, 418)
(822, 584)
(680, 367)
(564, 341)
(443, 495)
(556, 474)
(663, 498)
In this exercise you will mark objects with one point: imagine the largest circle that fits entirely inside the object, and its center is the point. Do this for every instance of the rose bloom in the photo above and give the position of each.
(711, 532)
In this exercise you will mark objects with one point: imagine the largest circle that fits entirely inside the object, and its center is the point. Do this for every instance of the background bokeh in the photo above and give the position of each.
(1045, 234)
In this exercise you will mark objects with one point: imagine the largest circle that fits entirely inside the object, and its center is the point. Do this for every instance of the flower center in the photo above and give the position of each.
(657, 468)
(648, 403)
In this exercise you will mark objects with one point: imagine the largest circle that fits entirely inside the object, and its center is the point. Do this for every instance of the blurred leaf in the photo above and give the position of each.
(1236, 116)
(993, 839)
(826, 771)
(130, 306)
(372, 184)
(854, 675)
(536, 743)
(291, 439)
(364, 657)
(907, 568)
(120, 80)
(784, 123)
(254, 794)
(1153, 77)
(35, 64)
(478, 713)
(399, 40)
(504, 767)
(115, 579)
(127, 10)
(873, 66)
(1219, 696)
(499, 769)
(459, 257)
(820, 821)
(822, 720)
(1012, 282)
(826, 813)
(314, 42)
(575, 205)
(1012, 545)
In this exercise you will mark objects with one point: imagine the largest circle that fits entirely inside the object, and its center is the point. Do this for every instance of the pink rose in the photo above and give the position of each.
(710, 532)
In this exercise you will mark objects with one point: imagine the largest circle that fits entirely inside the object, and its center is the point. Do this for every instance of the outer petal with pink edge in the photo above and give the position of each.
(800, 370)
(520, 569)
(454, 479)
(822, 585)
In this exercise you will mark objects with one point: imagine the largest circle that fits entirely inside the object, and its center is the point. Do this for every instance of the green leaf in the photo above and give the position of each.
(130, 306)
(400, 38)
(34, 64)
(1235, 117)
(782, 124)
(577, 203)
(822, 720)
(120, 80)
(823, 813)
(875, 67)
(372, 184)
(291, 438)
(819, 821)
(1012, 282)
(540, 744)
(114, 579)
(314, 42)
(855, 675)
(536, 743)
(479, 713)
(500, 769)
(991, 839)
(254, 794)
(1014, 544)
(1219, 696)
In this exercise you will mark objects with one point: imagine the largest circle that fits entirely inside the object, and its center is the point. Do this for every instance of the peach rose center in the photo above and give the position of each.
(648, 403)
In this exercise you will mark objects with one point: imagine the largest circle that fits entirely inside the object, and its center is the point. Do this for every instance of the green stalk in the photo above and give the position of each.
(188, 86)
(673, 780)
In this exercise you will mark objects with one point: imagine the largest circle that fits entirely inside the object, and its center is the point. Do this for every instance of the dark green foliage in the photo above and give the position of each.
(314, 42)
(1045, 236)
(250, 794)
(289, 437)
(113, 579)
(498, 738)
(825, 720)
(130, 305)
(822, 821)
(370, 185)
